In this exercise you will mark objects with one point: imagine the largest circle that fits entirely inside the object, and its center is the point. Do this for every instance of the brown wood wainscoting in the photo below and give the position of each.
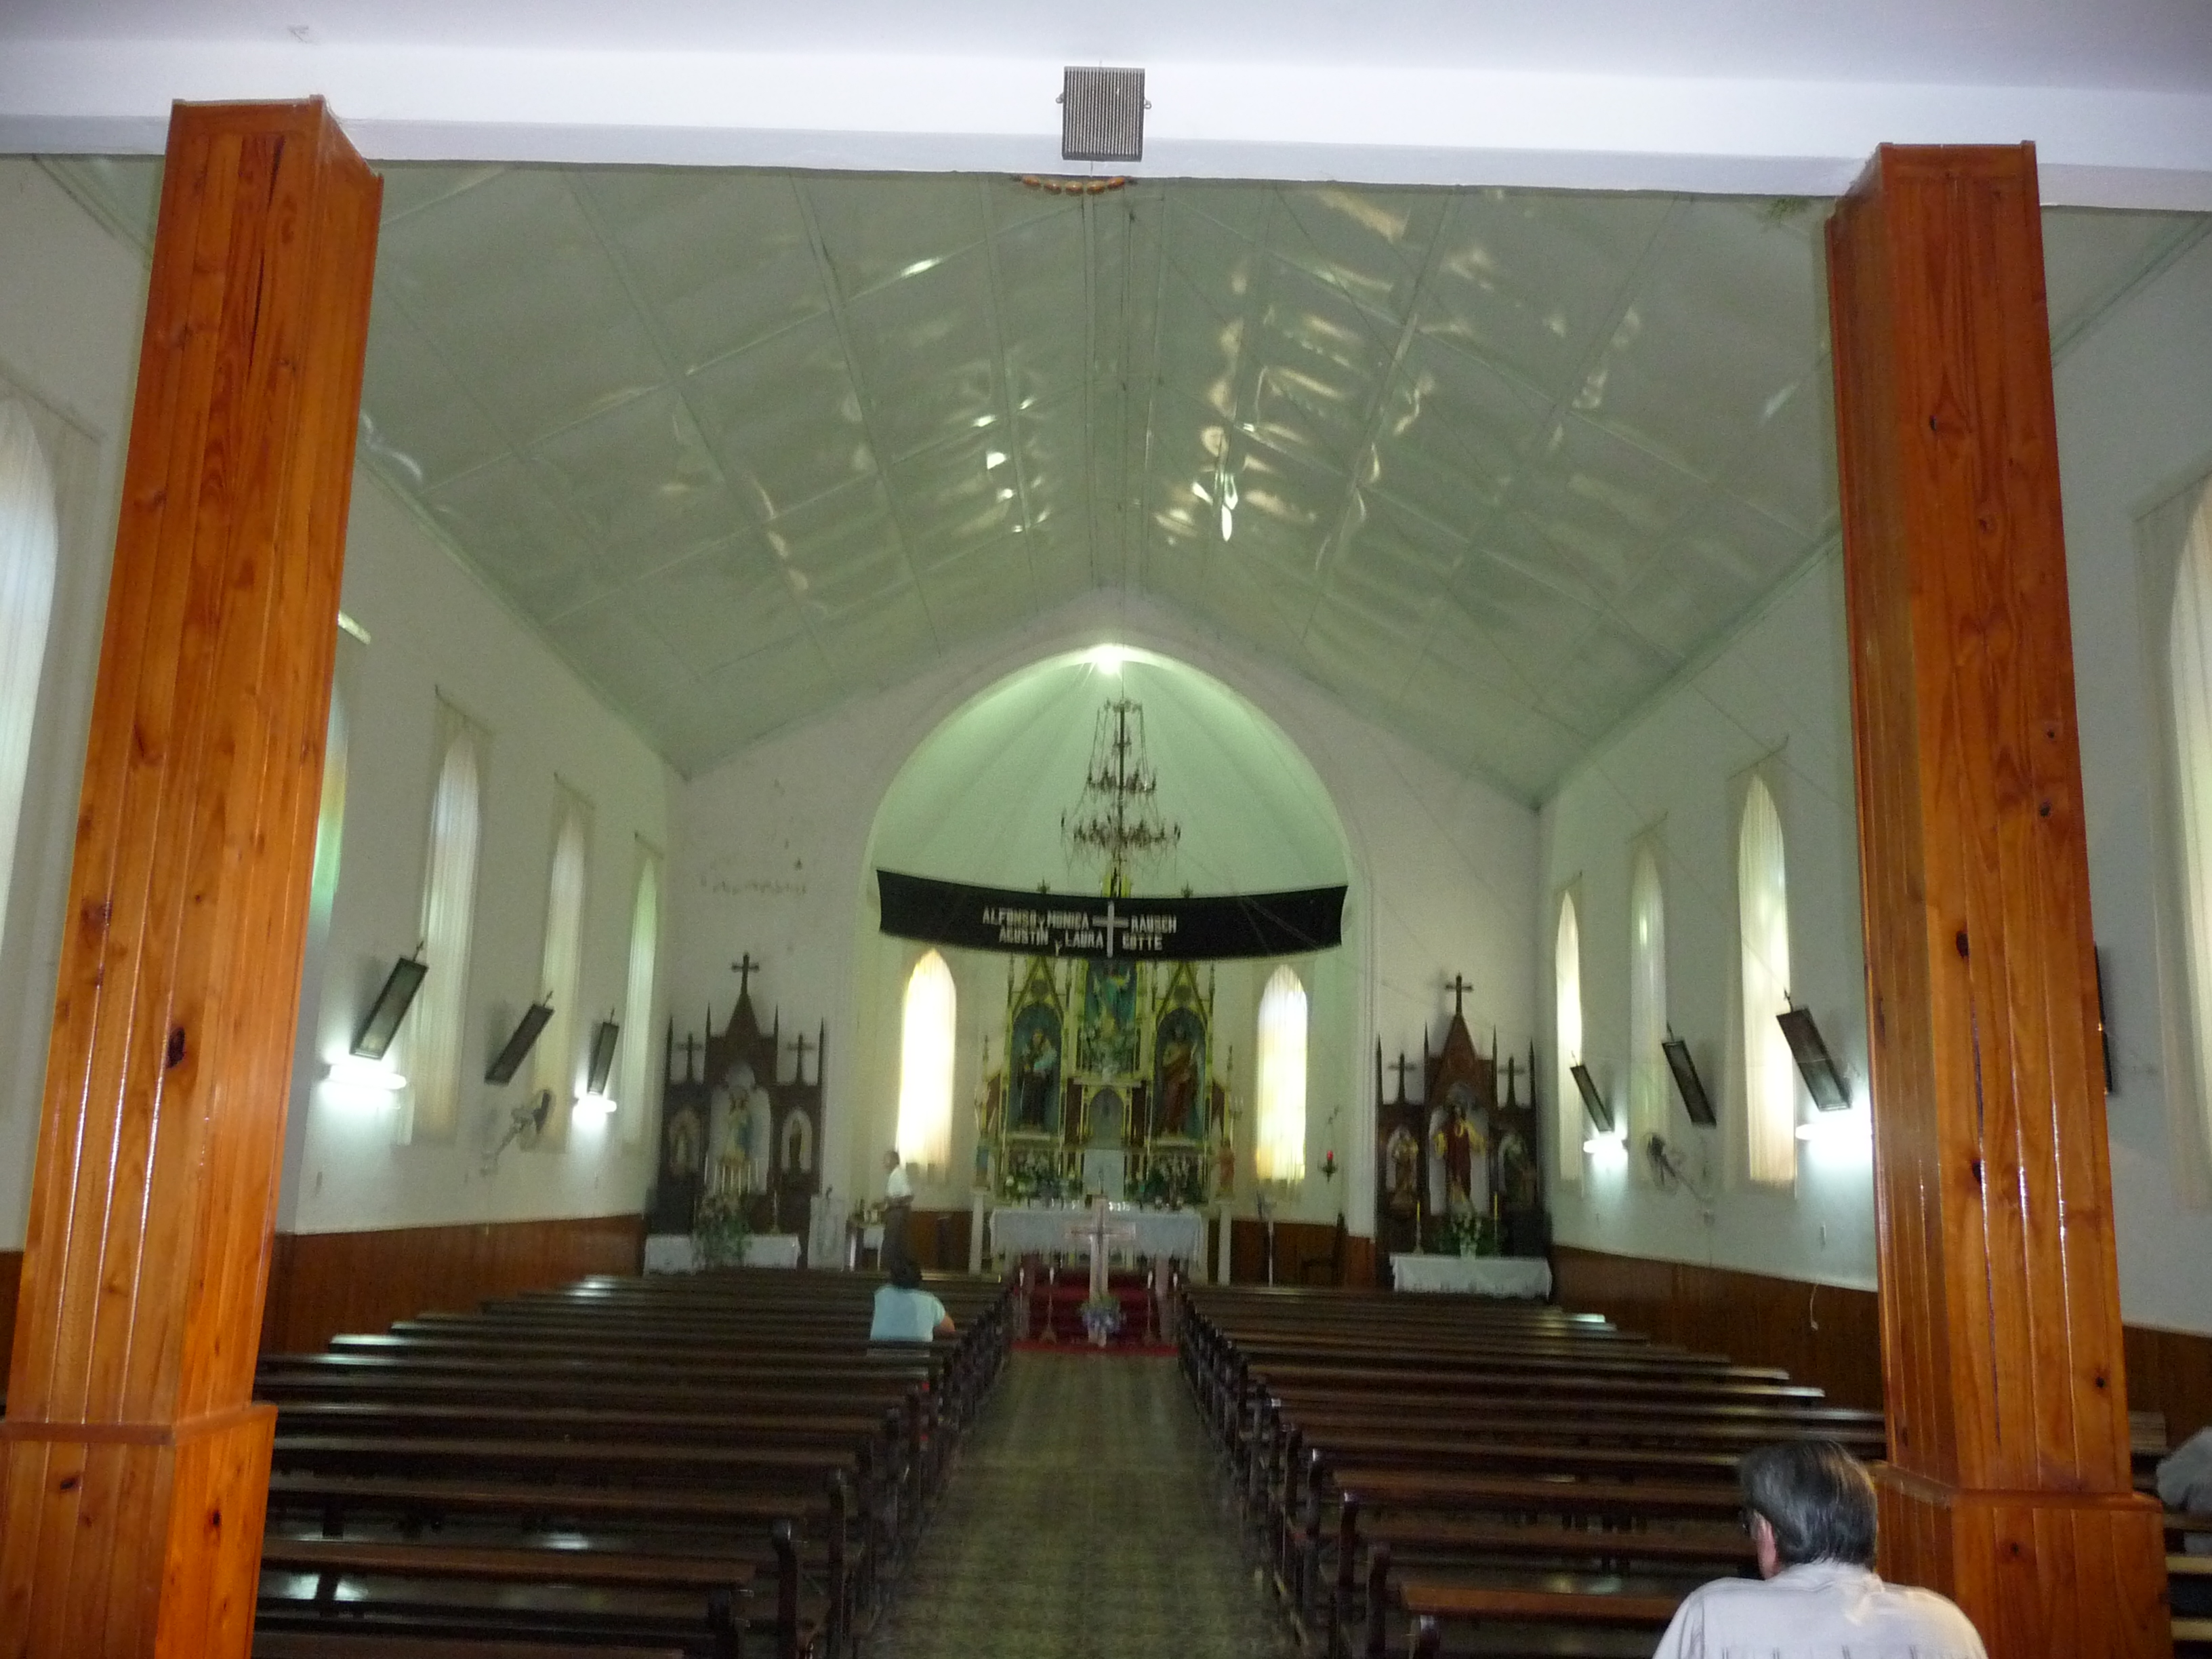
(1827, 1336)
(321, 1284)
(939, 1239)
(1820, 1334)
(1305, 1254)
(11, 1274)
(2170, 1371)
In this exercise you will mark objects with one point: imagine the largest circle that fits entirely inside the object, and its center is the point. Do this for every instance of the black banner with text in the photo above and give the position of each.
(1138, 929)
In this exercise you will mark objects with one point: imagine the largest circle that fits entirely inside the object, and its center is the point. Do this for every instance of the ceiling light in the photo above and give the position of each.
(1006, 495)
(1108, 658)
(918, 266)
(994, 457)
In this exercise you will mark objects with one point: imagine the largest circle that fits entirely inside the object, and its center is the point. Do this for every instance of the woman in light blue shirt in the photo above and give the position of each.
(904, 1311)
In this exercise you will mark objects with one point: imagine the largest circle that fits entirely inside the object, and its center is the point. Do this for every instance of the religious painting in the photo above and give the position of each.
(1401, 1172)
(685, 1145)
(798, 1144)
(1111, 1034)
(1035, 1052)
(1461, 1128)
(1179, 1076)
(1036, 1068)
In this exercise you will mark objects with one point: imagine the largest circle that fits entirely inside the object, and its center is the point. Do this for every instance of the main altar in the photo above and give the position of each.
(1109, 1087)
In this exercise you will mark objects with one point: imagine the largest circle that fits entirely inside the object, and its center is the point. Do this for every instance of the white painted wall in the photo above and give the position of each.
(1776, 697)
(773, 850)
(436, 630)
(72, 299)
(69, 334)
(2134, 420)
(2134, 410)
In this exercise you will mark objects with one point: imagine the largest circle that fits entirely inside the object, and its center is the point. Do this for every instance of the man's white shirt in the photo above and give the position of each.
(1821, 1610)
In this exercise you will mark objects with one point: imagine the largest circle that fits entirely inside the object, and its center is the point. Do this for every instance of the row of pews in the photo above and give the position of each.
(1439, 1474)
(714, 1466)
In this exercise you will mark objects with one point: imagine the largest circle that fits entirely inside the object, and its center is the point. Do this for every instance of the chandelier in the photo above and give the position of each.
(1116, 820)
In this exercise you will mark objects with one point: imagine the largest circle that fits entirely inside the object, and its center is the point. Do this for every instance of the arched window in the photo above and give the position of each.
(925, 1047)
(449, 898)
(1770, 1076)
(1567, 1016)
(330, 821)
(637, 1000)
(30, 539)
(1281, 1152)
(553, 1061)
(2189, 669)
(1647, 1002)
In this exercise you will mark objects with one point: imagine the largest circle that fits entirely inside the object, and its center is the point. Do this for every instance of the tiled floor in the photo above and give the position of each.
(1085, 1521)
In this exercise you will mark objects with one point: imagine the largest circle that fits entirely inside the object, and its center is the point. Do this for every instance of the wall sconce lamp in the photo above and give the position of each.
(1688, 1083)
(363, 1065)
(605, 1035)
(1814, 1064)
(510, 1058)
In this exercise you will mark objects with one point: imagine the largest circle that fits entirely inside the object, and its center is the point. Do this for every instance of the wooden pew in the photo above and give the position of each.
(616, 1415)
(694, 1601)
(1533, 1461)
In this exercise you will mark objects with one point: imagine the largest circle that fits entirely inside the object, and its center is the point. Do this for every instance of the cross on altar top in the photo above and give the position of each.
(801, 1047)
(1403, 1067)
(1459, 988)
(745, 967)
(690, 1045)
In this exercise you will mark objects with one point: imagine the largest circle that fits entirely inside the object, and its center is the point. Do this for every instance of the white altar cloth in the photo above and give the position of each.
(676, 1253)
(1055, 1231)
(1473, 1275)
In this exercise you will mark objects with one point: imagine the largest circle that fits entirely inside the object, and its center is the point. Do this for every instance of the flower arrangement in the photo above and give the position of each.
(1172, 1184)
(1467, 1235)
(1102, 1318)
(1031, 1177)
(721, 1230)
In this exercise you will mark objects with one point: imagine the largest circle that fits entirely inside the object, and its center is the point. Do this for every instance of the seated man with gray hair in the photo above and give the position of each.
(1809, 1507)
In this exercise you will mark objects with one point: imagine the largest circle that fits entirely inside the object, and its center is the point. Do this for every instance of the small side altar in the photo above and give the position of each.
(1055, 1229)
(1525, 1277)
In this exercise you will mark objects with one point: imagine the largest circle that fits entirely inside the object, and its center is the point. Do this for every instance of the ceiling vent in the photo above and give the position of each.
(1102, 115)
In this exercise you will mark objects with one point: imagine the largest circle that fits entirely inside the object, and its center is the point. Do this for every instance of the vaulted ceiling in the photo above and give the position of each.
(1491, 466)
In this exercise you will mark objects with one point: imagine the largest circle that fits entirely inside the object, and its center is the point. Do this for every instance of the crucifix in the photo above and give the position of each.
(1403, 1067)
(1459, 988)
(690, 1045)
(800, 1046)
(1097, 1235)
(745, 967)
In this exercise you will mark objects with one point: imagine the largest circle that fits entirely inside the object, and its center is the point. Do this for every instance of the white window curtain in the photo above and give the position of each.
(637, 1045)
(1647, 1002)
(1770, 1076)
(1567, 1017)
(1280, 1152)
(30, 540)
(2189, 670)
(553, 1061)
(449, 895)
(927, 1036)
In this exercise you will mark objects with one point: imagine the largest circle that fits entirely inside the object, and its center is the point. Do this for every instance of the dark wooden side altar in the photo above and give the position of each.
(1463, 1159)
(732, 1122)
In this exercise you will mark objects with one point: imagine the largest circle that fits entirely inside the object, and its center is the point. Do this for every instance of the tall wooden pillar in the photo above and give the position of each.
(2008, 1485)
(135, 1464)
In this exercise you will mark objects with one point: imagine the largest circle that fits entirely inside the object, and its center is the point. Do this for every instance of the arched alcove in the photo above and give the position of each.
(979, 799)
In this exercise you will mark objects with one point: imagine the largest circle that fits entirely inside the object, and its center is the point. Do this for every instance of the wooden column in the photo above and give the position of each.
(2009, 1484)
(135, 1464)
